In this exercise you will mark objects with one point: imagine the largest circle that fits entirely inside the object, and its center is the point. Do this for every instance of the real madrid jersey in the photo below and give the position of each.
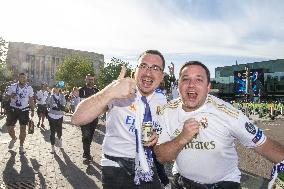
(210, 156)
(120, 140)
(41, 96)
(21, 100)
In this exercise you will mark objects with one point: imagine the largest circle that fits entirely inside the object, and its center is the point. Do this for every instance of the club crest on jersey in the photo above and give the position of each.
(158, 110)
(250, 128)
(203, 123)
(176, 133)
(132, 107)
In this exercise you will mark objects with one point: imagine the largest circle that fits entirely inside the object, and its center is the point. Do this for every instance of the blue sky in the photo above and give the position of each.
(216, 32)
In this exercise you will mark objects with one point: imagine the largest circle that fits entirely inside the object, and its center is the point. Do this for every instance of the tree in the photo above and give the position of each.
(5, 72)
(73, 70)
(3, 50)
(111, 70)
(167, 82)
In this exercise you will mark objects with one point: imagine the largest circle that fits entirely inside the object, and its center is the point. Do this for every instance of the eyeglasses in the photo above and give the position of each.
(155, 68)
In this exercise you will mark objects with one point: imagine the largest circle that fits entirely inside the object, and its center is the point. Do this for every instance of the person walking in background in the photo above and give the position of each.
(88, 129)
(5, 102)
(22, 100)
(173, 82)
(199, 131)
(41, 97)
(127, 162)
(56, 103)
(74, 99)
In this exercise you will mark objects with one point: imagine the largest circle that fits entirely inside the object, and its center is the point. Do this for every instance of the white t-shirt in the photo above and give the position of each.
(75, 100)
(41, 97)
(211, 156)
(53, 104)
(120, 140)
(21, 100)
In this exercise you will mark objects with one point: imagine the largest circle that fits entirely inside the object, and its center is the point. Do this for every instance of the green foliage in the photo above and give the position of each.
(111, 71)
(73, 70)
(167, 82)
(3, 50)
(5, 72)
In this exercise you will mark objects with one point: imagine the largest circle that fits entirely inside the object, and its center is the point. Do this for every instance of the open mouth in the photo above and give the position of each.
(192, 95)
(147, 82)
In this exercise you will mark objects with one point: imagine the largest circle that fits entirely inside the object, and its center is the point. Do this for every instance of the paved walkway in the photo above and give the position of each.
(38, 168)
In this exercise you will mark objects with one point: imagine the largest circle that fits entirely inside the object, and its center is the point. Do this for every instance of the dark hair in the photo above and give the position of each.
(22, 73)
(155, 52)
(189, 63)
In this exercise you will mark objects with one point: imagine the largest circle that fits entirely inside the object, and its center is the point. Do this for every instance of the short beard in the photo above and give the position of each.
(188, 108)
(89, 85)
(22, 84)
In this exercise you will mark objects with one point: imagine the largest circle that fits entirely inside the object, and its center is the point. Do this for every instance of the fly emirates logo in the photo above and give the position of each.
(130, 123)
(198, 145)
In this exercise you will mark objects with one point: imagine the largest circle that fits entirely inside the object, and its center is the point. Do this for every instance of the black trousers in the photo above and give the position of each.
(55, 127)
(87, 136)
(161, 171)
(179, 182)
(123, 178)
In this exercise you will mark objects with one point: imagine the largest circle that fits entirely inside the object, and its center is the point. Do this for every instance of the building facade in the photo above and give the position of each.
(40, 61)
(272, 73)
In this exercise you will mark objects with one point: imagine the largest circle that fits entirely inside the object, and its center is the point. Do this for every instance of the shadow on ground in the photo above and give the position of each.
(72, 173)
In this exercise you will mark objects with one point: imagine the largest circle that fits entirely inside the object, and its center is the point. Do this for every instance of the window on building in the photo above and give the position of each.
(48, 70)
(30, 59)
(37, 68)
(57, 60)
(281, 88)
(52, 66)
(42, 66)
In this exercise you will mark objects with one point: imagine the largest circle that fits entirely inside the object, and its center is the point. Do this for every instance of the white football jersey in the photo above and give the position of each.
(41, 97)
(120, 140)
(210, 156)
(21, 100)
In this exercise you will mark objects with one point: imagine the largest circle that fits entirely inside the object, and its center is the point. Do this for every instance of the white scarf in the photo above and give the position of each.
(143, 165)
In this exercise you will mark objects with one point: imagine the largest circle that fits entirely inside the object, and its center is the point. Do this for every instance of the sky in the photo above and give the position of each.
(215, 32)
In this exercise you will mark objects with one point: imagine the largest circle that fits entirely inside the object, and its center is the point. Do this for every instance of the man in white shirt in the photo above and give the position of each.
(41, 97)
(199, 130)
(21, 95)
(124, 163)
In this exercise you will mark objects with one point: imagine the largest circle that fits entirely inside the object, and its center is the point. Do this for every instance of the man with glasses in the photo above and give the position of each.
(124, 163)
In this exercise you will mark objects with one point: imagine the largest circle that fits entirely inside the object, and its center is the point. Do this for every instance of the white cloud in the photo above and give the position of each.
(124, 28)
